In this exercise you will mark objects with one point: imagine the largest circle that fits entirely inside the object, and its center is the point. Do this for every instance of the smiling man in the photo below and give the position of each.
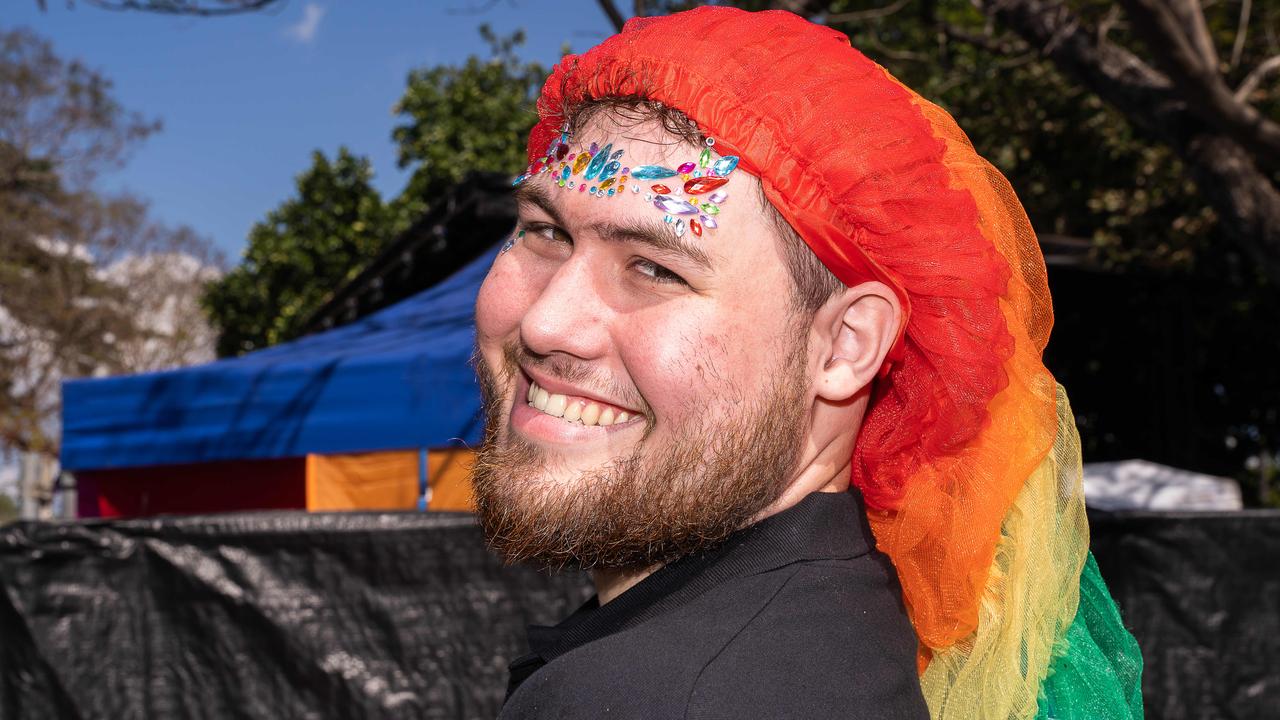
(763, 355)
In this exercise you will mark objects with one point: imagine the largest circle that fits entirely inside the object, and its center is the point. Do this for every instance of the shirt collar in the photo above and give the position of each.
(822, 526)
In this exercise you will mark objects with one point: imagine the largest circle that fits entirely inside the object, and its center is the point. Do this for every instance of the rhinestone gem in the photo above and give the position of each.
(648, 197)
(708, 222)
(652, 172)
(674, 206)
(696, 227)
(680, 228)
(580, 163)
(718, 196)
(661, 189)
(710, 208)
(564, 173)
(611, 192)
(609, 170)
(686, 168)
(520, 179)
(635, 189)
(700, 185)
(725, 165)
(561, 151)
(617, 155)
(582, 187)
(598, 161)
(594, 149)
(605, 185)
(704, 159)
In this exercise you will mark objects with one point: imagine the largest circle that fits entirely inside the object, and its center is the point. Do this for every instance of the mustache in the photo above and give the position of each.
(569, 370)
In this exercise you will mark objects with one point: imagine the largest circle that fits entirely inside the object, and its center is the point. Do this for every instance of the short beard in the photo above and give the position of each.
(647, 508)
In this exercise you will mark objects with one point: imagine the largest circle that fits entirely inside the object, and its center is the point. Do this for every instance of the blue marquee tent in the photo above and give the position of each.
(397, 379)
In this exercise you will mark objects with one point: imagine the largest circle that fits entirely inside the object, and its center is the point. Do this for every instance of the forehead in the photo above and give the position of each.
(620, 171)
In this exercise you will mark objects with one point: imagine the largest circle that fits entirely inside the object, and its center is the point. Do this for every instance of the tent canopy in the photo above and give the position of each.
(399, 378)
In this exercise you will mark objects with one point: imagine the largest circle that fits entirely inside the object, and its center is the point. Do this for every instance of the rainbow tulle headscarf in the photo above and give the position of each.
(968, 458)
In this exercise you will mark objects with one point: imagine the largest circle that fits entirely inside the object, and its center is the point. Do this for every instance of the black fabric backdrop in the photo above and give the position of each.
(390, 615)
(1201, 593)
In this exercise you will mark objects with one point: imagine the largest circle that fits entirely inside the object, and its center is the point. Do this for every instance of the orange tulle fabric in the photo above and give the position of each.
(883, 185)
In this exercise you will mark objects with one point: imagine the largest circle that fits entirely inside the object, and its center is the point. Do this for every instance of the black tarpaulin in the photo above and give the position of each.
(263, 615)
(1201, 593)
(406, 615)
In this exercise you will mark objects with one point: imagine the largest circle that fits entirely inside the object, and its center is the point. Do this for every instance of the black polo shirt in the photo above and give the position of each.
(797, 616)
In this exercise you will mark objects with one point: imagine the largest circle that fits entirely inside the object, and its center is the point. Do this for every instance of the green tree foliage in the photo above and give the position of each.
(458, 119)
(306, 247)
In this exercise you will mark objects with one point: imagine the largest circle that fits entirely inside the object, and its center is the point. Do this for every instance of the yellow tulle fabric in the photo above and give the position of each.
(1032, 588)
(1030, 599)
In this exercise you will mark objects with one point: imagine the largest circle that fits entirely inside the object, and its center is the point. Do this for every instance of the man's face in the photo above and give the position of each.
(645, 393)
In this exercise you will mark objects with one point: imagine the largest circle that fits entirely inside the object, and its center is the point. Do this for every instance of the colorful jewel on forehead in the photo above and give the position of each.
(652, 172)
(725, 165)
(610, 170)
(602, 166)
(674, 206)
(598, 161)
(704, 184)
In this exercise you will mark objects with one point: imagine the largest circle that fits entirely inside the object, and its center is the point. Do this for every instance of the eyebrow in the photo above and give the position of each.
(660, 237)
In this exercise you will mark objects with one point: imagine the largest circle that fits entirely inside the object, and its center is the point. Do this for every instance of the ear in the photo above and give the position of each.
(859, 325)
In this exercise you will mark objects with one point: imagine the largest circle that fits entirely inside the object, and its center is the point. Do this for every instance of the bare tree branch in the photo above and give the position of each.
(872, 14)
(1242, 32)
(1256, 76)
(611, 11)
(1206, 93)
(1190, 18)
(184, 7)
(1247, 203)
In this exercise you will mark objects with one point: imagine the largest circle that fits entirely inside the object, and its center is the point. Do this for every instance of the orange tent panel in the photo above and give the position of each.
(449, 473)
(363, 481)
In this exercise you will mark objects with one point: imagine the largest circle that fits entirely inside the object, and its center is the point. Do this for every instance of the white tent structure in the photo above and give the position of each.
(1143, 485)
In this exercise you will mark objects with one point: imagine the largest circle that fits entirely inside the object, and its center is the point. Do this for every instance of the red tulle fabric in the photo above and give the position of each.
(847, 156)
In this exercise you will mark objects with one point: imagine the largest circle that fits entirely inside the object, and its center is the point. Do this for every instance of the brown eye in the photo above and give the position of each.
(656, 272)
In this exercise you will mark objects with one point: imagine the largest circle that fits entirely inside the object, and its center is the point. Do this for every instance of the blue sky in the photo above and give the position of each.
(245, 99)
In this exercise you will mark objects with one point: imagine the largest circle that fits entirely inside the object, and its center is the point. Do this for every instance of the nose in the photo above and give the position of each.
(569, 316)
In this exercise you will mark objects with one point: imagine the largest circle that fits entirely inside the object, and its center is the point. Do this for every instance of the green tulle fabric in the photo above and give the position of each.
(1096, 671)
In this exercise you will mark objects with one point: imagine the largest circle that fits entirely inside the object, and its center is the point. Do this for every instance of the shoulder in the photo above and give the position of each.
(812, 639)
(833, 641)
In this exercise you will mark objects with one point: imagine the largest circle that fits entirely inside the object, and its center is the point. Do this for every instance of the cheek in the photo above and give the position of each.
(505, 296)
(697, 360)
(681, 363)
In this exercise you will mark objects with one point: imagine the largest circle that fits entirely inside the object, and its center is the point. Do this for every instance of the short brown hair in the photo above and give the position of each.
(812, 283)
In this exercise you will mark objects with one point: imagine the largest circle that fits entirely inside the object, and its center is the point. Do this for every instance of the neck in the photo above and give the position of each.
(610, 584)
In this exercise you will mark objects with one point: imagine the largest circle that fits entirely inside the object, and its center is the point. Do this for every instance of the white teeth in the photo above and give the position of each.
(587, 413)
(555, 405)
(573, 412)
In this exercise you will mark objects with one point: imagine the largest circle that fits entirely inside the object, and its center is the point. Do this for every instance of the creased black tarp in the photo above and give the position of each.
(263, 615)
(1201, 593)
(389, 615)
